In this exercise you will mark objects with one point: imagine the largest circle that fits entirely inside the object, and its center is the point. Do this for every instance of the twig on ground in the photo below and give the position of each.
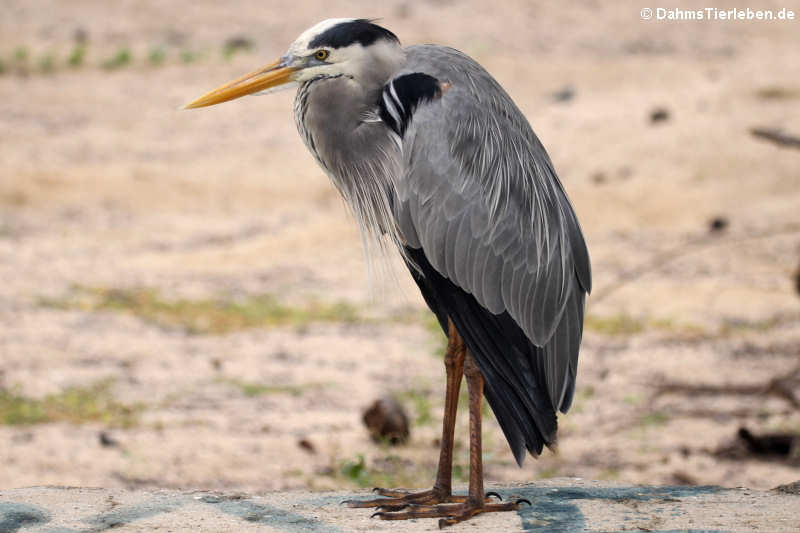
(781, 386)
(776, 136)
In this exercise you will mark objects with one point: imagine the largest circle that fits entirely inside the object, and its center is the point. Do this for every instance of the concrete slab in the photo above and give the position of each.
(559, 505)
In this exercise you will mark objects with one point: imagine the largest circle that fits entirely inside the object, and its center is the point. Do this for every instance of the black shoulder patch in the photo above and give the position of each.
(401, 96)
(354, 31)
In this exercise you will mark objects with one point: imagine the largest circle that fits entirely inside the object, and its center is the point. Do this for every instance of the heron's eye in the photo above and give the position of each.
(322, 55)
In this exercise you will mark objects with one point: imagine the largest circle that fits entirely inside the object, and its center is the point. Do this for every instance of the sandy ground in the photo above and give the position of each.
(104, 185)
(562, 504)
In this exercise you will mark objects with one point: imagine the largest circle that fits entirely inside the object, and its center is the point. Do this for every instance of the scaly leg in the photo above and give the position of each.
(442, 489)
(475, 502)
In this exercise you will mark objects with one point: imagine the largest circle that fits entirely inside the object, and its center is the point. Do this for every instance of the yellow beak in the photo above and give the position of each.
(270, 76)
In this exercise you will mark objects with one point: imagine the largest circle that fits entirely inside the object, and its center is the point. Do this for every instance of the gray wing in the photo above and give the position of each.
(480, 197)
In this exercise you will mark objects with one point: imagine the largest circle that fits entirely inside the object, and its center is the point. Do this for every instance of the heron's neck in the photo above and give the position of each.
(336, 118)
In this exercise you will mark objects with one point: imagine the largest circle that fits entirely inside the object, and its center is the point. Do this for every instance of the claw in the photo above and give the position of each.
(488, 494)
(379, 513)
(523, 500)
(351, 503)
(376, 489)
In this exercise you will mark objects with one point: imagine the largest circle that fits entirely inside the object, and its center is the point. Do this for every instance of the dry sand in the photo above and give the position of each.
(105, 185)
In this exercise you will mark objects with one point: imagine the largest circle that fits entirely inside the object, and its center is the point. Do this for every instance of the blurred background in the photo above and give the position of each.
(184, 299)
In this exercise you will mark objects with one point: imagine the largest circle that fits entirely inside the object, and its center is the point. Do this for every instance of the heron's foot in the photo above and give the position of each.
(449, 513)
(396, 499)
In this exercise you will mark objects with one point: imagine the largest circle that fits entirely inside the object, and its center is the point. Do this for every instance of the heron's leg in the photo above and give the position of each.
(475, 502)
(454, 369)
(475, 387)
(442, 489)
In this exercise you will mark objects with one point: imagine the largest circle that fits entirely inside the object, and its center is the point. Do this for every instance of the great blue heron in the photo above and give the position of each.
(430, 153)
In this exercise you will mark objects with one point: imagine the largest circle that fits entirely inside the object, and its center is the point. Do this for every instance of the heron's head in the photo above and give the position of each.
(355, 48)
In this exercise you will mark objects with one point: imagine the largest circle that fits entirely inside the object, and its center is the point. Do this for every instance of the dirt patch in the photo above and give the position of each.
(151, 250)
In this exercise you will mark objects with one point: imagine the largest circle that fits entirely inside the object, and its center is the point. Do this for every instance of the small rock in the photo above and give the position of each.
(565, 94)
(238, 42)
(175, 38)
(387, 421)
(402, 11)
(679, 477)
(659, 114)
(80, 36)
(307, 445)
(717, 224)
(281, 355)
(599, 177)
(107, 440)
(797, 280)
(779, 444)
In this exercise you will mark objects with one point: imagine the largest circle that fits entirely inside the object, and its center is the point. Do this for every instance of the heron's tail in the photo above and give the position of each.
(513, 368)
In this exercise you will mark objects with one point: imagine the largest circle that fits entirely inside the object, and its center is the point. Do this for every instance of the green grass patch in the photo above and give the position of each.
(586, 392)
(21, 54)
(47, 64)
(356, 471)
(188, 56)
(682, 328)
(75, 405)
(24, 61)
(76, 56)
(654, 419)
(632, 399)
(431, 324)
(609, 474)
(625, 324)
(582, 396)
(156, 57)
(619, 324)
(463, 402)
(234, 45)
(122, 58)
(548, 473)
(389, 471)
(460, 472)
(421, 401)
(207, 316)
(21, 61)
(253, 390)
(737, 325)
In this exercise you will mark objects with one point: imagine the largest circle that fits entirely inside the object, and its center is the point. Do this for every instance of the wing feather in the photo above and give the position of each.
(479, 196)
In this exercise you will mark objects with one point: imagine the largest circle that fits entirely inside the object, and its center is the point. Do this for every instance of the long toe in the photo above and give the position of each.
(421, 511)
(396, 499)
(468, 510)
